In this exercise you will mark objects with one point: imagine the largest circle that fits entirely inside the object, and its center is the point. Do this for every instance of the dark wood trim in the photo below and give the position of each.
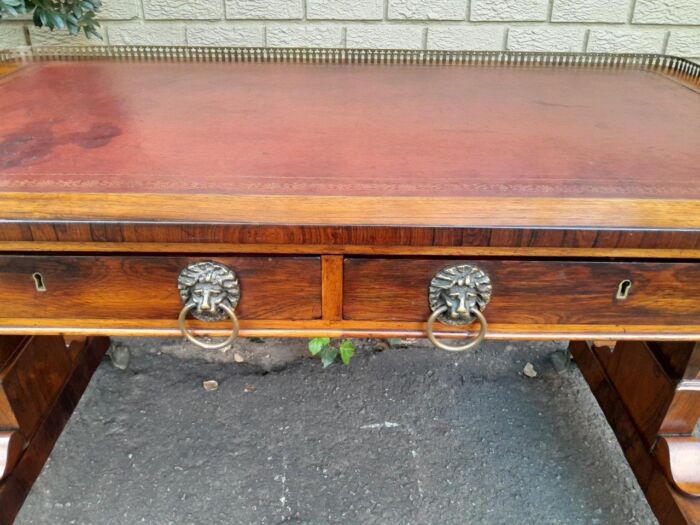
(332, 287)
(531, 291)
(16, 486)
(594, 241)
(145, 287)
(637, 420)
(30, 381)
(339, 221)
(679, 457)
(321, 328)
(470, 251)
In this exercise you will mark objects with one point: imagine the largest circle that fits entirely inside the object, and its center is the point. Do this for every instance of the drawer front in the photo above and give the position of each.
(144, 288)
(532, 292)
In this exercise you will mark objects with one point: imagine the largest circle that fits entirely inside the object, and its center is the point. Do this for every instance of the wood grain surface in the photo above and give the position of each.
(540, 292)
(8, 349)
(422, 222)
(141, 287)
(654, 381)
(30, 382)
(647, 401)
(472, 252)
(332, 292)
(679, 456)
(670, 505)
(312, 210)
(15, 487)
(322, 328)
(137, 295)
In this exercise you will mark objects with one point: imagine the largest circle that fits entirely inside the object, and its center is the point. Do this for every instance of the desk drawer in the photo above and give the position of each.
(531, 292)
(143, 288)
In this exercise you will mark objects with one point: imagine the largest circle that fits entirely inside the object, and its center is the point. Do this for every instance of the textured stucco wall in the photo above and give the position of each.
(668, 26)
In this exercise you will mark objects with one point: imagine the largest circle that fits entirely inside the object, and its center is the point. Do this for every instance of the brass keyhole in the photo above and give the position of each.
(623, 289)
(39, 282)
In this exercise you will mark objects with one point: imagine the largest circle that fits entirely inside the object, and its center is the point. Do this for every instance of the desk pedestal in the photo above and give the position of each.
(650, 394)
(41, 382)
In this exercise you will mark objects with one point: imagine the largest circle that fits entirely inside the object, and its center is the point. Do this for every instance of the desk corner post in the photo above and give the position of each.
(650, 395)
(41, 381)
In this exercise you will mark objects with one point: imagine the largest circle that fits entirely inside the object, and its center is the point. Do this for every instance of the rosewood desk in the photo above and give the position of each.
(346, 193)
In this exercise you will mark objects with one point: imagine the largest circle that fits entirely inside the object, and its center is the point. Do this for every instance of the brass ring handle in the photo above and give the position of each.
(202, 344)
(457, 348)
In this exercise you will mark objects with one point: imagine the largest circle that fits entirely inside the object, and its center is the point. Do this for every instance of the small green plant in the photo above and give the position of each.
(329, 350)
(72, 15)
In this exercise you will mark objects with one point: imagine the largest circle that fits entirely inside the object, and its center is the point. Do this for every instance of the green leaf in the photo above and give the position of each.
(317, 344)
(72, 16)
(91, 33)
(11, 7)
(347, 349)
(39, 17)
(328, 355)
(58, 21)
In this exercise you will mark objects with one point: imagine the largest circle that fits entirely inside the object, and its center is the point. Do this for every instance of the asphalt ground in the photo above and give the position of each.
(400, 436)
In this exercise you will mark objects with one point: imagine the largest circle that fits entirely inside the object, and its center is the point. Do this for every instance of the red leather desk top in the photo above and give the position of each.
(356, 130)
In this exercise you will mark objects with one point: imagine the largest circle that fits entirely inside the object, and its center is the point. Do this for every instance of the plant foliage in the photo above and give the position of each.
(328, 351)
(71, 15)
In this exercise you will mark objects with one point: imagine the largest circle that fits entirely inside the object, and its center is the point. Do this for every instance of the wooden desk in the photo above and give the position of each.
(351, 193)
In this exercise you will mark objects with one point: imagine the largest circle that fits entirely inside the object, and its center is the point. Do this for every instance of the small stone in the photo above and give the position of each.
(238, 358)
(529, 370)
(402, 343)
(249, 388)
(561, 359)
(120, 356)
(210, 385)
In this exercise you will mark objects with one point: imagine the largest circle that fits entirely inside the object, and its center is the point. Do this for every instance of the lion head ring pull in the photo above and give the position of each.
(210, 292)
(458, 296)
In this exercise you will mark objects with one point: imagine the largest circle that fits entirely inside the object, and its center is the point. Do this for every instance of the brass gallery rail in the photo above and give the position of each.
(677, 67)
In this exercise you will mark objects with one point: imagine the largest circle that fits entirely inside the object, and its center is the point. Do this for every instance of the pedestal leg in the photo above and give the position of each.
(41, 382)
(650, 394)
